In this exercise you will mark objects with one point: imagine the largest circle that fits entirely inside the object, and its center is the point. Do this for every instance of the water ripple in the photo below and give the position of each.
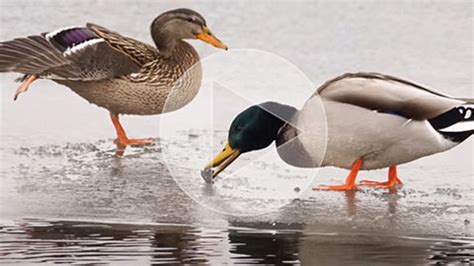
(38, 241)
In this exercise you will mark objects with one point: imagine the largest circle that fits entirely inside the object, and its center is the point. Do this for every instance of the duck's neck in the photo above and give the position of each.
(165, 44)
(282, 114)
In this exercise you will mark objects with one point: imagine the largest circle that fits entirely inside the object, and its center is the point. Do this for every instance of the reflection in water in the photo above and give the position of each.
(350, 202)
(37, 241)
(392, 200)
(117, 167)
(391, 196)
(363, 227)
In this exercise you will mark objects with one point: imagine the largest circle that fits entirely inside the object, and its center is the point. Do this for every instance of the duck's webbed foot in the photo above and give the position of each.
(122, 144)
(350, 180)
(393, 180)
(345, 187)
(141, 142)
(25, 85)
(122, 141)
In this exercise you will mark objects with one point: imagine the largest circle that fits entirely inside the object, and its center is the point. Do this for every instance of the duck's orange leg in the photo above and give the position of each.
(122, 140)
(393, 179)
(350, 179)
(25, 85)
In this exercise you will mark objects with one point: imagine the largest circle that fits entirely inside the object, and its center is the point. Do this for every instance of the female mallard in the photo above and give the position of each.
(112, 71)
(373, 121)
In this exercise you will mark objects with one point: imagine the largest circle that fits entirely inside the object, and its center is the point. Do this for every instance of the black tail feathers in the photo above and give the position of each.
(456, 124)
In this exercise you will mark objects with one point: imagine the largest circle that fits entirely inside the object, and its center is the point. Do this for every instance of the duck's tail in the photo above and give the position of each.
(466, 100)
(30, 55)
(456, 124)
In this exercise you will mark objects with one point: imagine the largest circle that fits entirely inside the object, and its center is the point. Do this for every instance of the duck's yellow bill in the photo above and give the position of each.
(219, 163)
(206, 36)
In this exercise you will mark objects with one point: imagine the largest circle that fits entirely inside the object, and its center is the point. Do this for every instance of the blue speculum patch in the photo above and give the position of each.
(72, 37)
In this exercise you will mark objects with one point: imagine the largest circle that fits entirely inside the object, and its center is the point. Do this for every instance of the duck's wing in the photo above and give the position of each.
(138, 51)
(75, 53)
(388, 94)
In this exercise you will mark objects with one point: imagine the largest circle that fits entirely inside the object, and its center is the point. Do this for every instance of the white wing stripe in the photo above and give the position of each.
(81, 46)
(459, 127)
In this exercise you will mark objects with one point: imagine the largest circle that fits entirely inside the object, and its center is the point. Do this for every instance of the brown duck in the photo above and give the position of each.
(121, 74)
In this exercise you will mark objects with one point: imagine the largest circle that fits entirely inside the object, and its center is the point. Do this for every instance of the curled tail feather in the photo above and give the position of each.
(456, 124)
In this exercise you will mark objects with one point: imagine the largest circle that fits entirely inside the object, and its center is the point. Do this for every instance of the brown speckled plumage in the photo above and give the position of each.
(115, 72)
(146, 92)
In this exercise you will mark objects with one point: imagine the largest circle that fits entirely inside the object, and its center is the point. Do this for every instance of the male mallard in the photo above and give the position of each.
(112, 71)
(373, 121)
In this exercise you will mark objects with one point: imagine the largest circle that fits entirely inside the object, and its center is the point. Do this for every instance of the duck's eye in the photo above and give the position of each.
(191, 19)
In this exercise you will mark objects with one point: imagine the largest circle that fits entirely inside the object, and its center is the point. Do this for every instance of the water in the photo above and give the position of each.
(65, 199)
(91, 207)
(38, 241)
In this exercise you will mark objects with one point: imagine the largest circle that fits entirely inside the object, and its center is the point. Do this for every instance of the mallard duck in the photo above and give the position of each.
(115, 72)
(373, 121)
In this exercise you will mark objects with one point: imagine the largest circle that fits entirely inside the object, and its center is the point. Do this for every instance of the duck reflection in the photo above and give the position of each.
(241, 243)
(265, 243)
(391, 197)
(76, 242)
(350, 197)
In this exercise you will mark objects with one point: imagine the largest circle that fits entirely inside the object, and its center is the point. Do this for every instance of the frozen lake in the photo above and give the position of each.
(65, 198)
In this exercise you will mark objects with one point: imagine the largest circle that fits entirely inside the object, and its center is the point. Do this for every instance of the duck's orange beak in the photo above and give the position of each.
(219, 163)
(206, 36)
